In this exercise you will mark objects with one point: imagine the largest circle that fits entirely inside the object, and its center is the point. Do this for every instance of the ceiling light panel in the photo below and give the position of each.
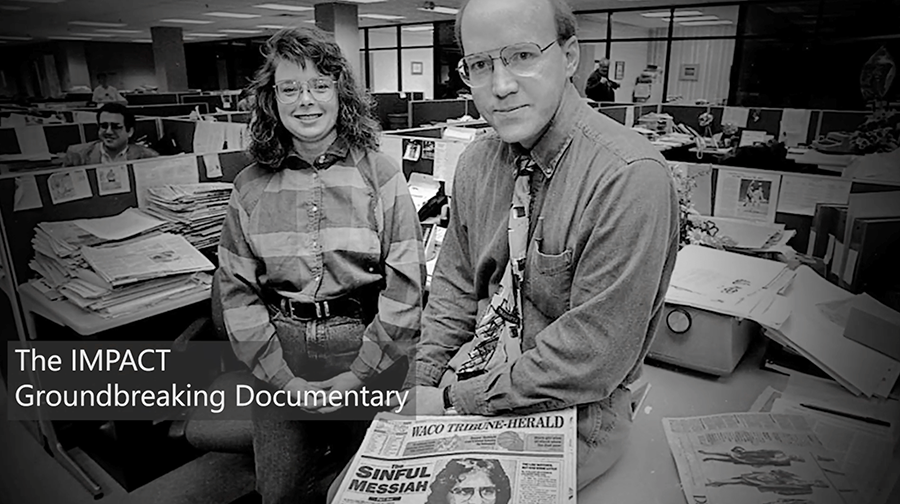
(14, 37)
(283, 7)
(667, 13)
(233, 15)
(441, 10)
(707, 23)
(101, 35)
(115, 30)
(185, 21)
(241, 32)
(14, 8)
(64, 37)
(692, 18)
(97, 23)
(210, 35)
(271, 27)
(386, 17)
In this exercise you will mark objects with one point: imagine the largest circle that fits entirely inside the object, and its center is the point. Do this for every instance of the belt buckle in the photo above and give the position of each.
(323, 310)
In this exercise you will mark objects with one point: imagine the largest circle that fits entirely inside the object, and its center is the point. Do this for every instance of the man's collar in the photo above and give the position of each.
(338, 150)
(105, 153)
(550, 147)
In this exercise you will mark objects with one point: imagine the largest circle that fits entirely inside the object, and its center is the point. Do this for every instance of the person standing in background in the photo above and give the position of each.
(105, 93)
(599, 88)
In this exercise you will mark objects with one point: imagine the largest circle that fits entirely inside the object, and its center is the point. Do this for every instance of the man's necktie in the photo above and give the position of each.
(498, 336)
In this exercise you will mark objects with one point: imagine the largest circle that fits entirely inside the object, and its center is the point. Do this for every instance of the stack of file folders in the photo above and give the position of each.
(116, 265)
(196, 211)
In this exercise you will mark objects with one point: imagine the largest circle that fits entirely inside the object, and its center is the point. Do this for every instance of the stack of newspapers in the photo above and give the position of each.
(196, 211)
(116, 265)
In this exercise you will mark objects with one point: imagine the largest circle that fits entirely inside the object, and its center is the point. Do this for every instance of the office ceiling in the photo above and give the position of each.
(30, 21)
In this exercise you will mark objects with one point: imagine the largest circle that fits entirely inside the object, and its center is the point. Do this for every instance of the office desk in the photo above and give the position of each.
(830, 162)
(67, 314)
(646, 473)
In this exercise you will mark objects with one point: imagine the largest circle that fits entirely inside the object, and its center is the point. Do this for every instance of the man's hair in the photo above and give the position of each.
(566, 25)
(450, 474)
(117, 108)
(270, 142)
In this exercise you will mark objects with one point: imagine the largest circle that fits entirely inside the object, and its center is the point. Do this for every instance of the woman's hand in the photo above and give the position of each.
(341, 383)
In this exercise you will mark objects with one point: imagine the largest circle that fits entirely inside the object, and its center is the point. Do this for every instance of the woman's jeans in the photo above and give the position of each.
(296, 460)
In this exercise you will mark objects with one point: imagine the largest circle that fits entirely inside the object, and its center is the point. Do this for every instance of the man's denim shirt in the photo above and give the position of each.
(602, 244)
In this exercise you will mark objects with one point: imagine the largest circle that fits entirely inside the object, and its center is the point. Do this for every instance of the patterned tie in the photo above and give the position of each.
(501, 325)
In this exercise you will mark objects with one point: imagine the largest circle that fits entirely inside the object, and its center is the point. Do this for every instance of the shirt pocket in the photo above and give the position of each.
(550, 280)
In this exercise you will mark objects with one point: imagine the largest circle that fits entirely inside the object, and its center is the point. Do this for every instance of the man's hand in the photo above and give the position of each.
(422, 401)
(341, 383)
(297, 389)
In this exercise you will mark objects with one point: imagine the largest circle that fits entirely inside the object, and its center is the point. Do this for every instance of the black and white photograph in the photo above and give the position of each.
(311, 251)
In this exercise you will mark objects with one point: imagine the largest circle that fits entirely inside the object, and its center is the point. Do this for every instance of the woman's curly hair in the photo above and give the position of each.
(456, 468)
(270, 142)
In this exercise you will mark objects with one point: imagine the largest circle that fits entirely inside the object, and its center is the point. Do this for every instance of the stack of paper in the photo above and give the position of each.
(731, 284)
(196, 211)
(116, 265)
(819, 336)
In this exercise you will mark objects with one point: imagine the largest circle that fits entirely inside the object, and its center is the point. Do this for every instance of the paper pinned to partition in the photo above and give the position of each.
(27, 196)
(68, 186)
(392, 147)
(800, 194)
(213, 165)
(794, 127)
(155, 172)
(747, 195)
(32, 140)
(446, 155)
(113, 180)
(735, 115)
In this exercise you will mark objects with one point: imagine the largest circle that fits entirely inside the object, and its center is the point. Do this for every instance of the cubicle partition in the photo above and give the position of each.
(141, 99)
(392, 109)
(429, 112)
(821, 122)
(212, 102)
(19, 225)
(182, 132)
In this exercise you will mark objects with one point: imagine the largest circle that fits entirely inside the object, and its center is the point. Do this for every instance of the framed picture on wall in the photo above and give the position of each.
(689, 72)
(416, 68)
(620, 70)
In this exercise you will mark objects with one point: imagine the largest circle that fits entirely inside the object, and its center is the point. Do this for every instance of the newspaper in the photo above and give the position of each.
(759, 458)
(524, 459)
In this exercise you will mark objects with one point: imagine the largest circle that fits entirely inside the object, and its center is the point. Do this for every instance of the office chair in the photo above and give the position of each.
(230, 431)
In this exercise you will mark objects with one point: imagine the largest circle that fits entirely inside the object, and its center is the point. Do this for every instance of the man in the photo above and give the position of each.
(106, 94)
(591, 263)
(116, 127)
(599, 88)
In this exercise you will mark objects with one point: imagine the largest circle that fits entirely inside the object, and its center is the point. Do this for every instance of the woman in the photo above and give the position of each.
(471, 481)
(321, 263)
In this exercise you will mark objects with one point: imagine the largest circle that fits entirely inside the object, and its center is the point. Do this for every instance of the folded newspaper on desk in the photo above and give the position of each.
(524, 459)
(758, 458)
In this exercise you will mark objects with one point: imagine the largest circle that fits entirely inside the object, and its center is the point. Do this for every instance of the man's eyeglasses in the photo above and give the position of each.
(111, 126)
(320, 88)
(466, 493)
(521, 60)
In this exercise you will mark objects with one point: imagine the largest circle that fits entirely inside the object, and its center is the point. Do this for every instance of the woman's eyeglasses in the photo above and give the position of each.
(463, 494)
(522, 60)
(320, 88)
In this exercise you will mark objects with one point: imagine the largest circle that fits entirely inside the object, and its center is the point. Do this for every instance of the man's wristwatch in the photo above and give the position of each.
(447, 403)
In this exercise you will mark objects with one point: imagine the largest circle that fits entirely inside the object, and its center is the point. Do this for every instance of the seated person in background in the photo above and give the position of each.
(599, 88)
(104, 93)
(321, 264)
(116, 127)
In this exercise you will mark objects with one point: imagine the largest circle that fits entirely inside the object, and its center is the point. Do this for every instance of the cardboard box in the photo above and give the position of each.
(701, 340)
